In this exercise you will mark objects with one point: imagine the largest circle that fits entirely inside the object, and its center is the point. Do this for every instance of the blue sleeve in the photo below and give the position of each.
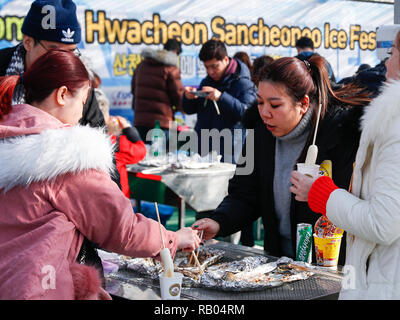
(236, 104)
(191, 106)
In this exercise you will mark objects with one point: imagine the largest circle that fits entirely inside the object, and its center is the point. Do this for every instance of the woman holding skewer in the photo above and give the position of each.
(370, 212)
(289, 94)
(55, 189)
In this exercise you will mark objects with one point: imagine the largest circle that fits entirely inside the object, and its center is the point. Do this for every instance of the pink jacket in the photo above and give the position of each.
(54, 190)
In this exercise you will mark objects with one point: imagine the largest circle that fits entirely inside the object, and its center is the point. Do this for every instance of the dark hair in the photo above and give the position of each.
(173, 45)
(258, 64)
(50, 71)
(313, 81)
(213, 49)
(305, 42)
(363, 67)
(244, 57)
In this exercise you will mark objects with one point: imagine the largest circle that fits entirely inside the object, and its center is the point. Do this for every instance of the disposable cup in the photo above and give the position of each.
(170, 287)
(327, 251)
(311, 170)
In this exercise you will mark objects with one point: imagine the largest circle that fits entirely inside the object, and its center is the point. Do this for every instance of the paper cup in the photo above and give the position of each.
(327, 251)
(170, 287)
(311, 170)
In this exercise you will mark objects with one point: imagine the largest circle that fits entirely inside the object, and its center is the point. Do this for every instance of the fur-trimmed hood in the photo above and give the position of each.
(383, 110)
(35, 146)
(163, 56)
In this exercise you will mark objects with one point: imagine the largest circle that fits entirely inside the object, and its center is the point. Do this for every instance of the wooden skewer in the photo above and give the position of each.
(159, 224)
(198, 248)
(316, 126)
(216, 107)
(190, 260)
(198, 263)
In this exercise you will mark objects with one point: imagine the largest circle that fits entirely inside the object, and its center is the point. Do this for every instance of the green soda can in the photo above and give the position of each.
(304, 242)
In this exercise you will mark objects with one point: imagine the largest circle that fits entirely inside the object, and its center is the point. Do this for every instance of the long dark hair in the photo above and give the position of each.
(54, 69)
(311, 78)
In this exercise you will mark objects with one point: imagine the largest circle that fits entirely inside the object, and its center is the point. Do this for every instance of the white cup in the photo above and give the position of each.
(311, 170)
(171, 287)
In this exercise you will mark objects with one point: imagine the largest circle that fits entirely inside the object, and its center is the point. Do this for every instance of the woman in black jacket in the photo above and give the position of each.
(289, 93)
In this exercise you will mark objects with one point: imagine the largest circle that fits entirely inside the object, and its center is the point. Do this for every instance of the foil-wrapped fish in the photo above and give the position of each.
(253, 273)
(191, 273)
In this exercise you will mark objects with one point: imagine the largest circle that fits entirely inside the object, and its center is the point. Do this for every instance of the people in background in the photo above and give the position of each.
(229, 91)
(129, 147)
(305, 50)
(157, 88)
(244, 57)
(258, 64)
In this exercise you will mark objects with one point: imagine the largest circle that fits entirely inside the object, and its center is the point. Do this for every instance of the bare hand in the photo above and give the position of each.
(301, 185)
(123, 123)
(188, 93)
(210, 227)
(213, 94)
(188, 239)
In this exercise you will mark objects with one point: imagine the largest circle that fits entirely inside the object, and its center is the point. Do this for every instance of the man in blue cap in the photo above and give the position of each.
(49, 24)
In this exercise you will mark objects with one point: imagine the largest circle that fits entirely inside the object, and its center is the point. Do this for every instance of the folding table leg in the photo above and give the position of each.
(182, 213)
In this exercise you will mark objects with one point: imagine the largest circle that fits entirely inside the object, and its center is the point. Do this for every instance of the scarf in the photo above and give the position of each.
(17, 67)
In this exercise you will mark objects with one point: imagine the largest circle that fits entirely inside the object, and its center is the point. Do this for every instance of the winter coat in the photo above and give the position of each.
(371, 212)
(156, 87)
(251, 196)
(55, 189)
(238, 94)
(130, 149)
(371, 79)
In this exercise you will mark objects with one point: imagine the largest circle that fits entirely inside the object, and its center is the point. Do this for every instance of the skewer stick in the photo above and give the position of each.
(159, 224)
(316, 127)
(198, 248)
(198, 263)
(191, 257)
(216, 107)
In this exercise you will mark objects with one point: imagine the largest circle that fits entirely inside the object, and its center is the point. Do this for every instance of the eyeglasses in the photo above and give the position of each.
(76, 50)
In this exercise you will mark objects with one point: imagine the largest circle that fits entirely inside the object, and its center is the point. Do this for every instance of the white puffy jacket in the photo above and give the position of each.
(371, 214)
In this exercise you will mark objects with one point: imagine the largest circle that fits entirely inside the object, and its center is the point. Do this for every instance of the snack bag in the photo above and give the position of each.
(323, 227)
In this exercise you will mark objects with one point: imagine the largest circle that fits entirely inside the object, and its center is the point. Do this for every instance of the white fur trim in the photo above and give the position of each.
(44, 156)
(382, 111)
(163, 56)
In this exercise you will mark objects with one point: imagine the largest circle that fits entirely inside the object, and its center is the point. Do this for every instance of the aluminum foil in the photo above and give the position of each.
(248, 274)
(147, 266)
(191, 273)
(253, 273)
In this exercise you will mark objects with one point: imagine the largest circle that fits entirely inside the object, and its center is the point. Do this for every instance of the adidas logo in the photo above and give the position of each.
(68, 35)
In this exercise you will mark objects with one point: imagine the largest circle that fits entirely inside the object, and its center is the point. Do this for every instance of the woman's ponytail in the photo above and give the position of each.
(350, 94)
(320, 76)
(7, 85)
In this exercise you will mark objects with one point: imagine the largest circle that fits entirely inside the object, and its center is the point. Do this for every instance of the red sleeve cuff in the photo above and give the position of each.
(319, 194)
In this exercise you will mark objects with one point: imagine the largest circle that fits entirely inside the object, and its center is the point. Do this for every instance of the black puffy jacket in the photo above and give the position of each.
(251, 196)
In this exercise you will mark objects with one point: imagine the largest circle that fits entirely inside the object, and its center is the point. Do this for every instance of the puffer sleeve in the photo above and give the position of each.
(102, 213)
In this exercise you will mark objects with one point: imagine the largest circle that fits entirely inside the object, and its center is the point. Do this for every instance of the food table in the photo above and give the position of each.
(130, 285)
(202, 189)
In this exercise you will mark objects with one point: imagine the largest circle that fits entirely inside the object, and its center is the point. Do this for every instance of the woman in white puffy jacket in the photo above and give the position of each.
(370, 212)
